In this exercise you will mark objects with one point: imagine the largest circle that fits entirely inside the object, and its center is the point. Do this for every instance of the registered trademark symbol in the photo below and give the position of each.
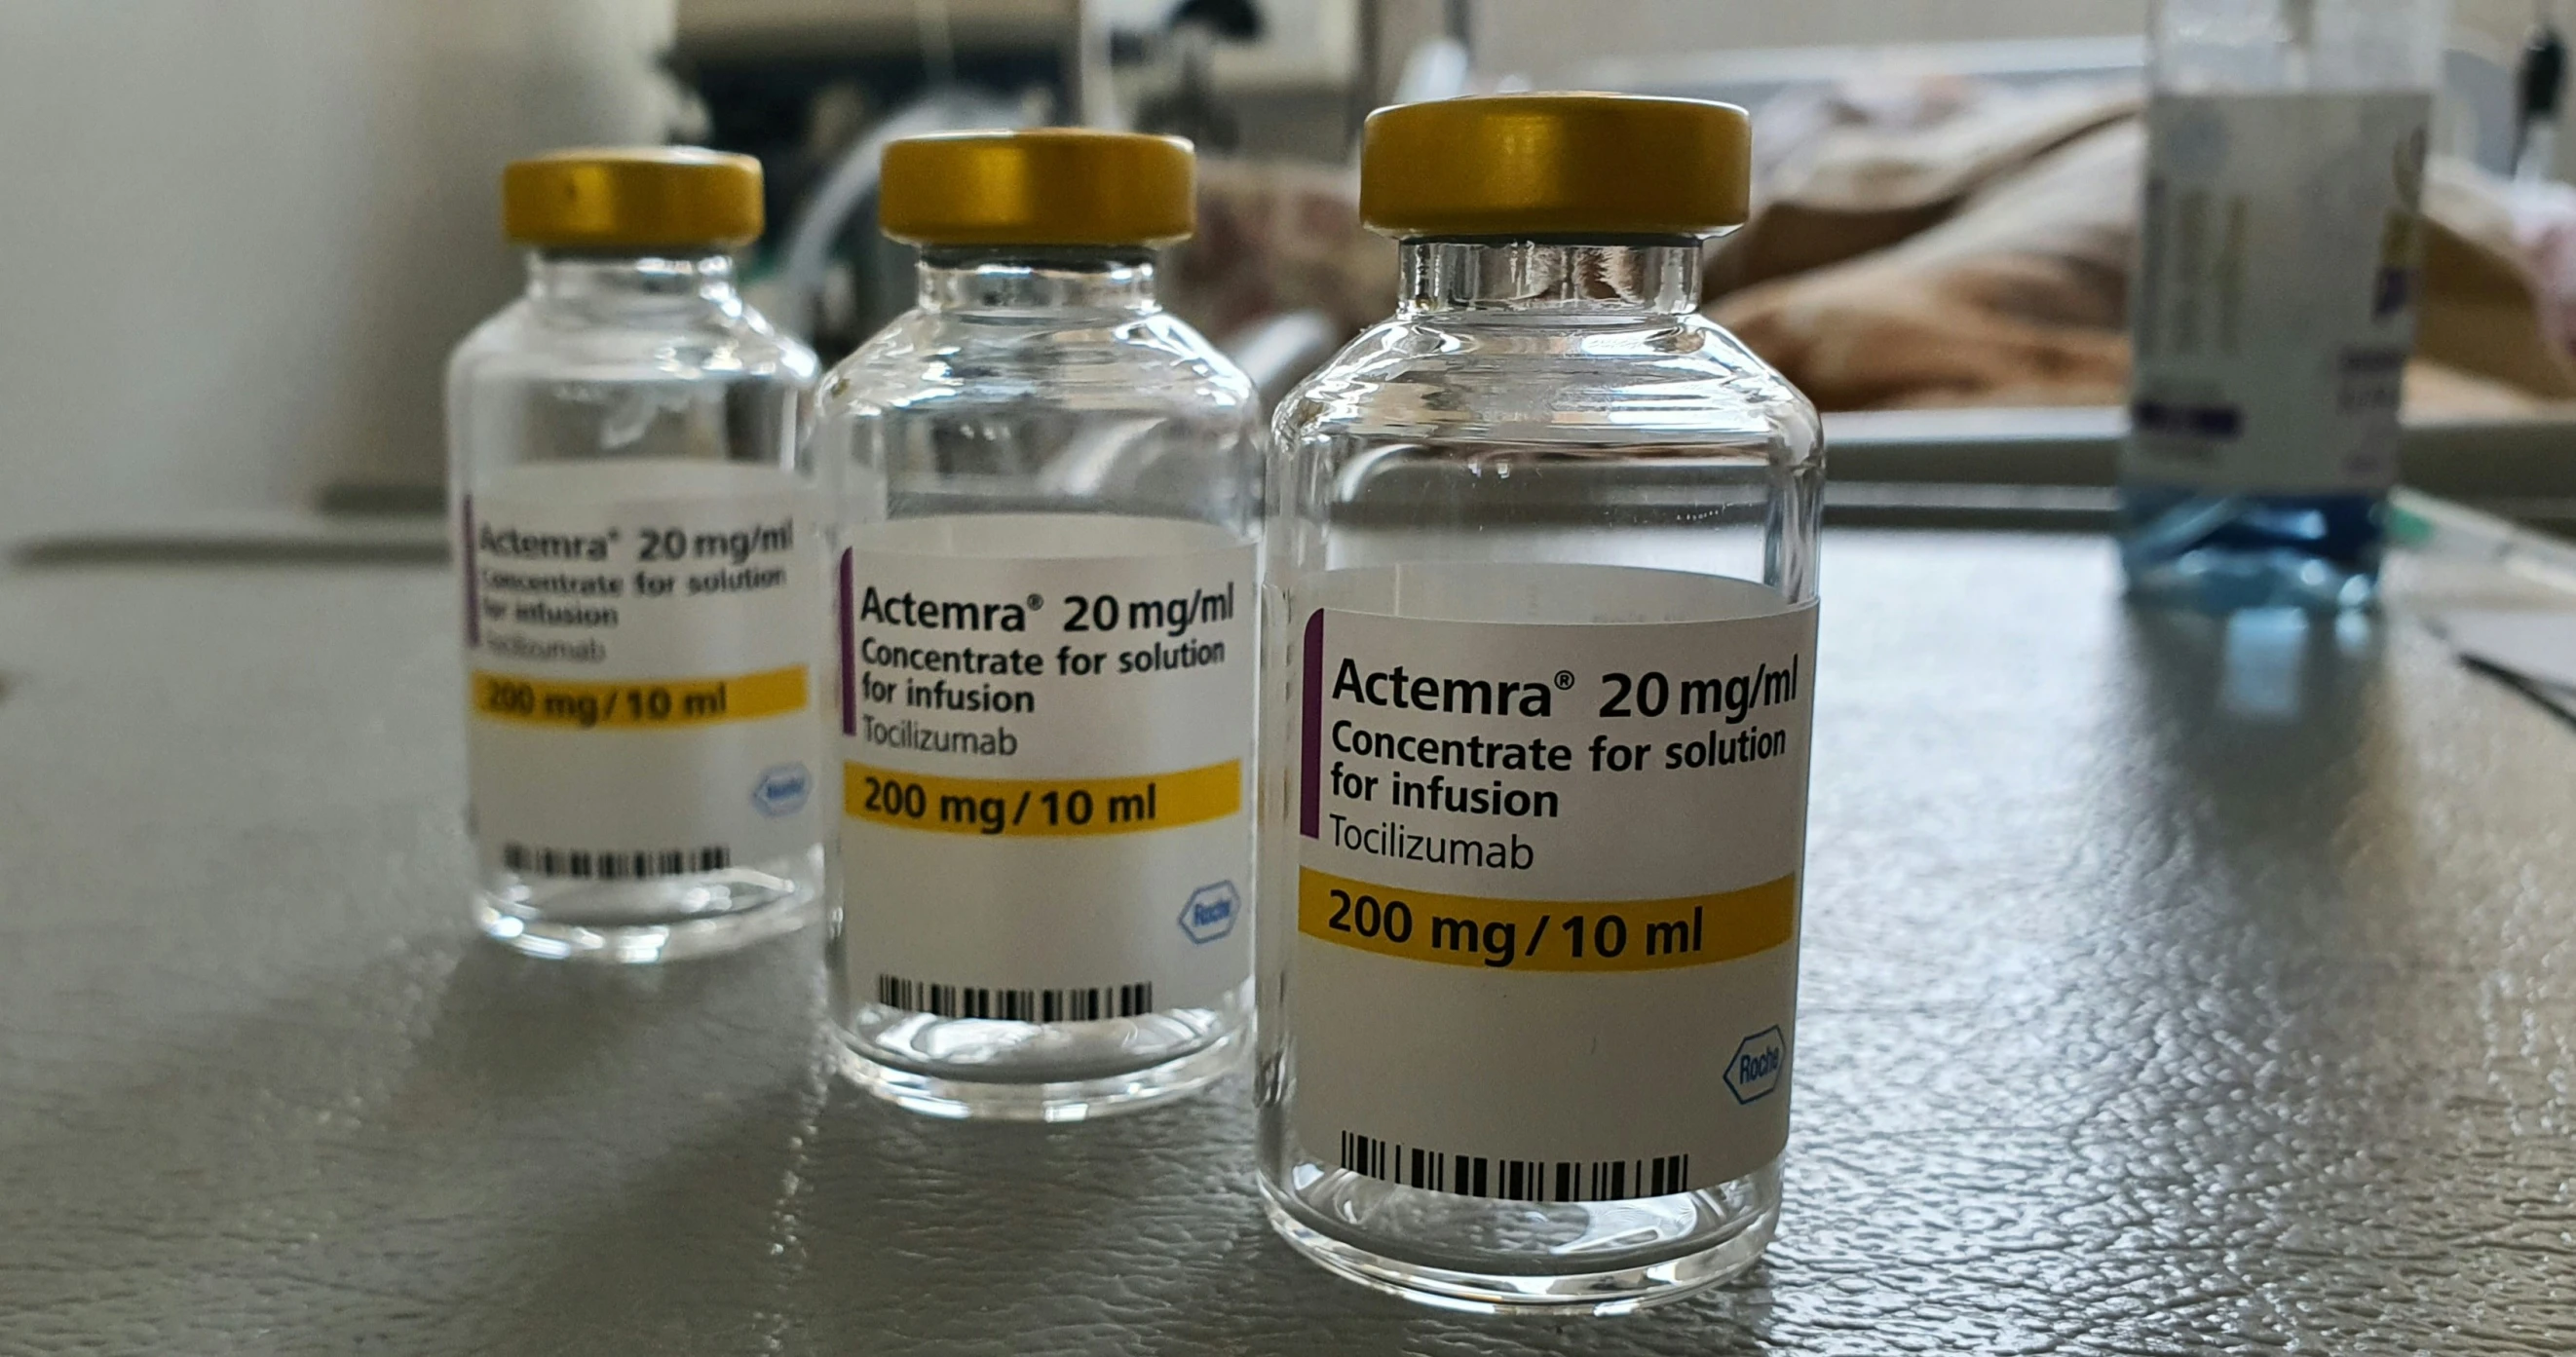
(1036, 602)
(1564, 679)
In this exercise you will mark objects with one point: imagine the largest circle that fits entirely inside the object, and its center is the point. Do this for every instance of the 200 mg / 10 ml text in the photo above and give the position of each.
(1546, 935)
(647, 704)
(1493, 941)
(993, 814)
(502, 697)
(1052, 808)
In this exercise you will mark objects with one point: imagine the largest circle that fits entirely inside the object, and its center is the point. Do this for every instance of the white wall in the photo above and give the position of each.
(240, 235)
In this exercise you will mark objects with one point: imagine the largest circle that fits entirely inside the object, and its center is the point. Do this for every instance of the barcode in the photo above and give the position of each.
(1016, 1005)
(618, 865)
(1525, 1180)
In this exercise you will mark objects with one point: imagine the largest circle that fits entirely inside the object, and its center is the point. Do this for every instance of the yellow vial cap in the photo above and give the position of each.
(623, 198)
(1051, 186)
(1556, 164)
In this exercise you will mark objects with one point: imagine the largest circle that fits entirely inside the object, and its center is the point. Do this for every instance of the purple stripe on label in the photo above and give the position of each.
(473, 601)
(849, 656)
(1310, 738)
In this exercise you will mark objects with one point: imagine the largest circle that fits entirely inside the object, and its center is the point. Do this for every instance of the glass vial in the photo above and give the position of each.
(1048, 492)
(1540, 614)
(642, 571)
(2274, 305)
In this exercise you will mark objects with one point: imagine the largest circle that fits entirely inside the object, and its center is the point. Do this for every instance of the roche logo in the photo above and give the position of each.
(1210, 913)
(1755, 1071)
(782, 790)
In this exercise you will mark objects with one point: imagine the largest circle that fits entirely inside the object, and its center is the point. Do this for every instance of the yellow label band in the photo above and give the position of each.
(639, 704)
(1547, 935)
(1051, 808)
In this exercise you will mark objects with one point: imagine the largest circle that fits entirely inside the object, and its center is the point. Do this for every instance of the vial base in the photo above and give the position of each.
(1503, 1257)
(2227, 553)
(1047, 1072)
(643, 922)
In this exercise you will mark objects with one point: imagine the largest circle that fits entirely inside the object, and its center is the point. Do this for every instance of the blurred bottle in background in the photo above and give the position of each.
(2273, 308)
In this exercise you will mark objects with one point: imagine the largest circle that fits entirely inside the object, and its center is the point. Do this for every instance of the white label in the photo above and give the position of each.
(642, 644)
(1547, 885)
(1046, 739)
(2275, 304)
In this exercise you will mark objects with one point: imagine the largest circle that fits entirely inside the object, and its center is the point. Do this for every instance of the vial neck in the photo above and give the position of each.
(600, 283)
(1557, 280)
(1030, 278)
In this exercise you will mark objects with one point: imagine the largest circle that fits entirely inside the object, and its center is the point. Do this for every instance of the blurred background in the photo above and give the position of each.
(243, 234)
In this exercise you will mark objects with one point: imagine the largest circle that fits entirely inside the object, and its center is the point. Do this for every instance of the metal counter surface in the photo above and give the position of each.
(2169, 987)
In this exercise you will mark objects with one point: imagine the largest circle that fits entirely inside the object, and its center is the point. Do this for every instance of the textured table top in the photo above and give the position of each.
(2169, 987)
